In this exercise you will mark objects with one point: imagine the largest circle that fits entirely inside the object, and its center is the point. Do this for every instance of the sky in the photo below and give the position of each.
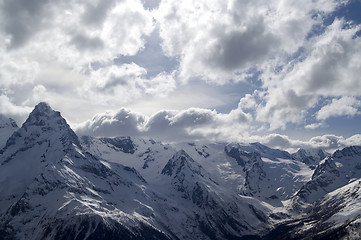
(283, 73)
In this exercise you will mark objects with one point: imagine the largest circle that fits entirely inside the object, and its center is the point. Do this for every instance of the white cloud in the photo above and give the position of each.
(328, 68)
(120, 123)
(64, 52)
(217, 40)
(9, 109)
(17, 70)
(170, 126)
(313, 125)
(53, 44)
(345, 106)
(113, 85)
(160, 86)
(249, 101)
(76, 32)
(326, 142)
(201, 124)
(353, 140)
(220, 41)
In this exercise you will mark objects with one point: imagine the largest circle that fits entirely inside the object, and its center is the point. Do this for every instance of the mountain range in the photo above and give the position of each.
(57, 185)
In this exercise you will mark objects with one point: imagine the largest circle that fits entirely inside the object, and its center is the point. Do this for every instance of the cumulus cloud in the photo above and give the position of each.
(313, 125)
(294, 66)
(9, 109)
(218, 40)
(170, 126)
(120, 123)
(22, 19)
(17, 71)
(68, 30)
(55, 44)
(203, 125)
(119, 84)
(328, 68)
(326, 142)
(345, 106)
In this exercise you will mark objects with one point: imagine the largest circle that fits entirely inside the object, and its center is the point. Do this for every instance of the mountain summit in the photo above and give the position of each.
(43, 125)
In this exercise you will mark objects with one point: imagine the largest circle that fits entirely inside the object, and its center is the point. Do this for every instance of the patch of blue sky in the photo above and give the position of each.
(151, 57)
(351, 12)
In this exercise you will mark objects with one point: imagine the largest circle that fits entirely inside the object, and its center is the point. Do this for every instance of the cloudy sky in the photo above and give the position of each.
(285, 73)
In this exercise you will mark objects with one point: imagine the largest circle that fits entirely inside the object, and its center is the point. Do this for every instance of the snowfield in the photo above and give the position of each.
(56, 185)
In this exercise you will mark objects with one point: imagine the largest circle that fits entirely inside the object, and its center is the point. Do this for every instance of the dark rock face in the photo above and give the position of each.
(311, 157)
(124, 144)
(94, 228)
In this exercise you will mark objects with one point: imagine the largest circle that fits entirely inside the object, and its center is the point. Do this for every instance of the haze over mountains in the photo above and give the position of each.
(57, 185)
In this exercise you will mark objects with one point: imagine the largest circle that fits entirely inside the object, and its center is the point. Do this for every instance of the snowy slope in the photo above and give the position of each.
(311, 157)
(343, 167)
(7, 127)
(336, 216)
(145, 155)
(197, 206)
(219, 212)
(250, 169)
(341, 209)
(270, 175)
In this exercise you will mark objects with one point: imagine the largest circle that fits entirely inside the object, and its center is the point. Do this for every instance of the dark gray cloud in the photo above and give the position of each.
(86, 43)
(24, 18)
(151, 4)
(96, 12)
(238, 48)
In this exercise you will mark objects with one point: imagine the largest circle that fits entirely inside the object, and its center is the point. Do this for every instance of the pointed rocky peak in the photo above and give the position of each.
(269, 152)
(43, 125)
(41, 114)
(181, 162)
(352, 151)
(318, 153)
(241, 155)
(343, 167)
(310, 157)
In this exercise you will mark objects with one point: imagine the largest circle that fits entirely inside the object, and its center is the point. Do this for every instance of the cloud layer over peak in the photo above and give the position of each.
(170, 126)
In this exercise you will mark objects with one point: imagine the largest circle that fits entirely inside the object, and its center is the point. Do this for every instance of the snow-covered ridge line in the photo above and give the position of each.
(54, 184)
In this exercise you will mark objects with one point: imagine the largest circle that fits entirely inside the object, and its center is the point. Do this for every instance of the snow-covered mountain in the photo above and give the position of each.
(311, 157)
(54, 185)
(336, 171)
(7, 127)
(197, 206)
(51, 189)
